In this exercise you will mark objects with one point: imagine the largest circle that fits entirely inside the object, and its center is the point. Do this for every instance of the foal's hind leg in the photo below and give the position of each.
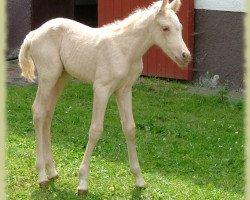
(40, 112)
(55, 93)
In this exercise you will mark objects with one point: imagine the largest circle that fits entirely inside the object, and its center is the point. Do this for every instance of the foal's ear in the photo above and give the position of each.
(175, 5)
(164, 3)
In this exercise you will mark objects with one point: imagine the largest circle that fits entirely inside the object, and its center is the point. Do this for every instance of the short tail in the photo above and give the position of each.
(25, 60)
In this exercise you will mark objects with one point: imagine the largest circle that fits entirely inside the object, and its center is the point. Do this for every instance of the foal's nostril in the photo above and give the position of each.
(184, 55)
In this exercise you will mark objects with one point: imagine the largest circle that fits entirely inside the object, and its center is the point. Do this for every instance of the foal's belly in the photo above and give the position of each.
(79, 64)
(81, 71)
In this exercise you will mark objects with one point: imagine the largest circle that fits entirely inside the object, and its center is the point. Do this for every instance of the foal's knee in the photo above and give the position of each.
(38, 114)
(95, 132)
(129, 131)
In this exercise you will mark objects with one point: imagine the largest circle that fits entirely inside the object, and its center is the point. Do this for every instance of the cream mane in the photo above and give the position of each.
(137, 19)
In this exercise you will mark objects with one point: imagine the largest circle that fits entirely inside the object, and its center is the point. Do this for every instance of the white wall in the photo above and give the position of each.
(222, 5)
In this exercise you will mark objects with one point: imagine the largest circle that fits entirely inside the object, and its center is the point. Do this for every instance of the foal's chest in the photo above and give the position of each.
(134, 71)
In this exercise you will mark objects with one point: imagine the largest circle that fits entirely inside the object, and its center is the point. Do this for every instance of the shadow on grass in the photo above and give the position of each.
(52, 192)
(137, 193)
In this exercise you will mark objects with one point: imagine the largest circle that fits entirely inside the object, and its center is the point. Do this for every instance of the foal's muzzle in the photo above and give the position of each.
(184, 59)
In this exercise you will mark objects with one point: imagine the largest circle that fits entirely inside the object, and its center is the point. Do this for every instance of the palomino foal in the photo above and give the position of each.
(110, 58)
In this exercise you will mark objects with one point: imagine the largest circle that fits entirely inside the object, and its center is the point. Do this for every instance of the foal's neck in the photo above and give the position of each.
(142, 41)
(135, 40)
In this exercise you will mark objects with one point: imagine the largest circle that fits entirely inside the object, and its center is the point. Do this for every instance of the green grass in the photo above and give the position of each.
(189, 146)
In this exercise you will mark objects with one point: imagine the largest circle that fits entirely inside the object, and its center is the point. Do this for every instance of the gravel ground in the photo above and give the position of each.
(14, 74)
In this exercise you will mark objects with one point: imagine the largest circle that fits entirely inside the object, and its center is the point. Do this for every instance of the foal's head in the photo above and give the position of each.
(167, 32)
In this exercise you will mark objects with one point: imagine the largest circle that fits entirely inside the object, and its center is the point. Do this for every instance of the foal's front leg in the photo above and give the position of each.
(101, 96)
(124, 100)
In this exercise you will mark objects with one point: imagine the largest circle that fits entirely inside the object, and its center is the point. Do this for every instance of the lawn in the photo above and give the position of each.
(189, 146)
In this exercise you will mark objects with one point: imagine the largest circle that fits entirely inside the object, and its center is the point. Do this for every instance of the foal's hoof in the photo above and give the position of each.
(54, 177)
(82, 192)
(140, 183)
(44, 184)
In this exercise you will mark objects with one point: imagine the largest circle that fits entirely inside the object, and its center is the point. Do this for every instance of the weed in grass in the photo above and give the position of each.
(222, 95)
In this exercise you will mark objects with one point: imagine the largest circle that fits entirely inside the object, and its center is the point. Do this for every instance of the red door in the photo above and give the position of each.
(156, 63)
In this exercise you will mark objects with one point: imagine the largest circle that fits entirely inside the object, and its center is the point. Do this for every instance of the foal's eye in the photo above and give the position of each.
(165, 28)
